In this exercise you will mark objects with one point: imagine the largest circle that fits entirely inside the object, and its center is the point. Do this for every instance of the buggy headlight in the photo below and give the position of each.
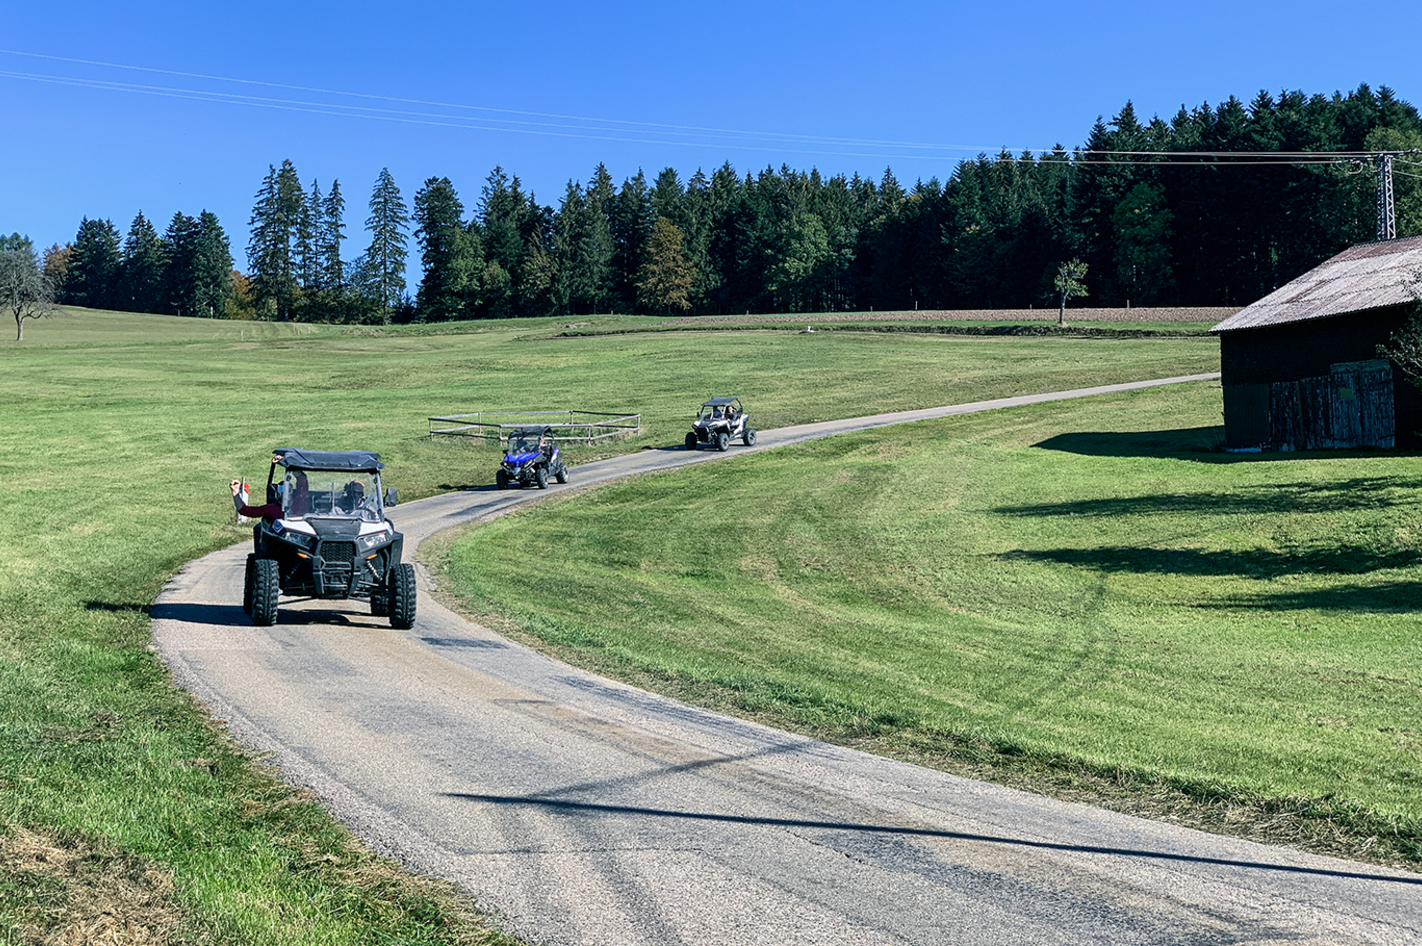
(367, 542)
(299, 539)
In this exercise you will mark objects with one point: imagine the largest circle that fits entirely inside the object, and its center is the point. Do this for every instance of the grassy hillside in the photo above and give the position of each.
(119, 801)
(1085, 598)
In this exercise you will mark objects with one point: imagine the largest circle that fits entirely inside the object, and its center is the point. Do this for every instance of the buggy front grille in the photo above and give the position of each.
(338, 553)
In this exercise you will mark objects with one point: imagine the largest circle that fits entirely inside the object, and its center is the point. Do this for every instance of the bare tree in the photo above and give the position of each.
(1069, 283)
(25, 291)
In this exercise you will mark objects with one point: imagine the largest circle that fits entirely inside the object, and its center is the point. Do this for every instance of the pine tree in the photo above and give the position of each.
(94, 266)
(451, 268)
(179, 276)
(388, 225)
(277, 220)
(630, 223)
(331, 235)
(211, 268)
(141, 268)
(308, 242)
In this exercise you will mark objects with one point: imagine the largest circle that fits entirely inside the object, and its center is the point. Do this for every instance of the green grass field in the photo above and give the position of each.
(119, 801)
(1086, 598)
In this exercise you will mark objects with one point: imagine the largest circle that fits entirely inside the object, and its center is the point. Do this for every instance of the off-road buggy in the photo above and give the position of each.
(531, 458)
(332, 540)
(720, 420)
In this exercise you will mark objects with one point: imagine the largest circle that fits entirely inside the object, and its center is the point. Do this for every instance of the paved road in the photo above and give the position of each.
(582, 811)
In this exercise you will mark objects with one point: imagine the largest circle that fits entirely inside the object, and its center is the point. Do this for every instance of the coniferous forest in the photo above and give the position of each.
(1215, 206)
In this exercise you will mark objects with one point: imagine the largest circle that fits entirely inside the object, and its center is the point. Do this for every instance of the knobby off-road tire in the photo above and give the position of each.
(380, 603)
(562, 476)
(266, 589)
(723, 441)
(501, 480)
(540, 477)
(691, 441)
(748, 437)
(402, 596)
(247, 582)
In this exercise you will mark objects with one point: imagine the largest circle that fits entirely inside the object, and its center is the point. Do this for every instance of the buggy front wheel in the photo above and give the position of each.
(501, 480)
(723, 441)
(540, 477)
(247, 579)
(266, 589)
(401, 603)
(691, 441)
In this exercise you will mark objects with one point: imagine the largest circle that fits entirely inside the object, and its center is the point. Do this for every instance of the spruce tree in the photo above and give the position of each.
(388, 226)
(331, 235)
(94, 266)
(211, 268)
(447, 253)
(141, 268)
(277, 219)
(179, 276)
(630, 221)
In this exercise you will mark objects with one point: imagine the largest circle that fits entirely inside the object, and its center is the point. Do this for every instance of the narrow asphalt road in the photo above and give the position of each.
(582, 811)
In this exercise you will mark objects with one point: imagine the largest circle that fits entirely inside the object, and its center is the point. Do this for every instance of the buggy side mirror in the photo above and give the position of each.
(392, 498)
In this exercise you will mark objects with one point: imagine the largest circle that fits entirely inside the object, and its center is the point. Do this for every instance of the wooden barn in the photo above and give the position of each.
(1300, 367)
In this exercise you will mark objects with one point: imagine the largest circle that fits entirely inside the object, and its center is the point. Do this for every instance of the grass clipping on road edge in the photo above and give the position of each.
(1059, 599)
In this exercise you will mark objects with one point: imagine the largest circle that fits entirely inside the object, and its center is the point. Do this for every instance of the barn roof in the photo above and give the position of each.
(1367, 276)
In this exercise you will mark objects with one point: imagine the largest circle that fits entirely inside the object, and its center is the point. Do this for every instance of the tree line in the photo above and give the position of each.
(1150, 229)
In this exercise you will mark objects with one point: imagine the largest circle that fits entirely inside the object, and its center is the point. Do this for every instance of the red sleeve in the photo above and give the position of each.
(270, 511)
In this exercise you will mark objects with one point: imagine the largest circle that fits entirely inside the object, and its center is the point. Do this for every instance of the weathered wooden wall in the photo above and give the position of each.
(1352, 406)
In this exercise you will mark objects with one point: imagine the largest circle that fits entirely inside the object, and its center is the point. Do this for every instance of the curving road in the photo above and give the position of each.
(583, 811)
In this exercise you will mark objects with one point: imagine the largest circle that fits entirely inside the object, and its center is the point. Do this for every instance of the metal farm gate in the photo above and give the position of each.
(1350, 407)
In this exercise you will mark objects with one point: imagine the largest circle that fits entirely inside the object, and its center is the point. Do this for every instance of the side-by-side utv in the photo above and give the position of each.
(332, 540)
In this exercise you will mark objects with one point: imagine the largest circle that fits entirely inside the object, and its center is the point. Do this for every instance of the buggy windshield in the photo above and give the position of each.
(332, 493)
(718, 409)
(524, 441)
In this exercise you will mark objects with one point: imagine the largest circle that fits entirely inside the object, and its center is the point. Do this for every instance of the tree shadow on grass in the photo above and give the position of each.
(1256, 564)
(1387, 597)
(1354, 494)
(1396, 597)
(1200, 444)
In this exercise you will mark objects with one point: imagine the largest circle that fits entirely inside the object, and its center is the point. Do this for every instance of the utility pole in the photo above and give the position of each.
(1387, 218)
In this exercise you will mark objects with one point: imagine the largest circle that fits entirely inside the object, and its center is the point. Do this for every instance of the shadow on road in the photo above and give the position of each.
(222, 615)
(588, 808)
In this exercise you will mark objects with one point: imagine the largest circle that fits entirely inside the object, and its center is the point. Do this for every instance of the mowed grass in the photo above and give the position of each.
(1084, 597)
(120, 802)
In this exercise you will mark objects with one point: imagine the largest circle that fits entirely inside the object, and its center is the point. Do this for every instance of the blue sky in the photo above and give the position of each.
(162, 107)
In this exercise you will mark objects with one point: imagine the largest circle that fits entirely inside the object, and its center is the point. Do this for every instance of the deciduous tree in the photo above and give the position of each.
(25, 291)
(665, 279)
(1068, 283)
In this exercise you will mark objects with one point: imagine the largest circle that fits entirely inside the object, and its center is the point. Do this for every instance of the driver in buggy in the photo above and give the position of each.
(352, 498)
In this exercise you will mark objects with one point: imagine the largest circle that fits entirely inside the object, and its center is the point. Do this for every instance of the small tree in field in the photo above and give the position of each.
(25, 291)
(1068, 283)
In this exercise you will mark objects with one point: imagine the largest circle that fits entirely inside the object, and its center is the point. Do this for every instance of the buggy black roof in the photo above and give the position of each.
(720, 401)
(346, 461)
(531, 431)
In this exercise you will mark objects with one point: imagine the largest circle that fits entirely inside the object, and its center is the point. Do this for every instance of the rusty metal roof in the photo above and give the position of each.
(1367, 276)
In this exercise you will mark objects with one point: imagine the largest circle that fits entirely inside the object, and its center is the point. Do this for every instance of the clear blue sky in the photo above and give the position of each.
(209, 96)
